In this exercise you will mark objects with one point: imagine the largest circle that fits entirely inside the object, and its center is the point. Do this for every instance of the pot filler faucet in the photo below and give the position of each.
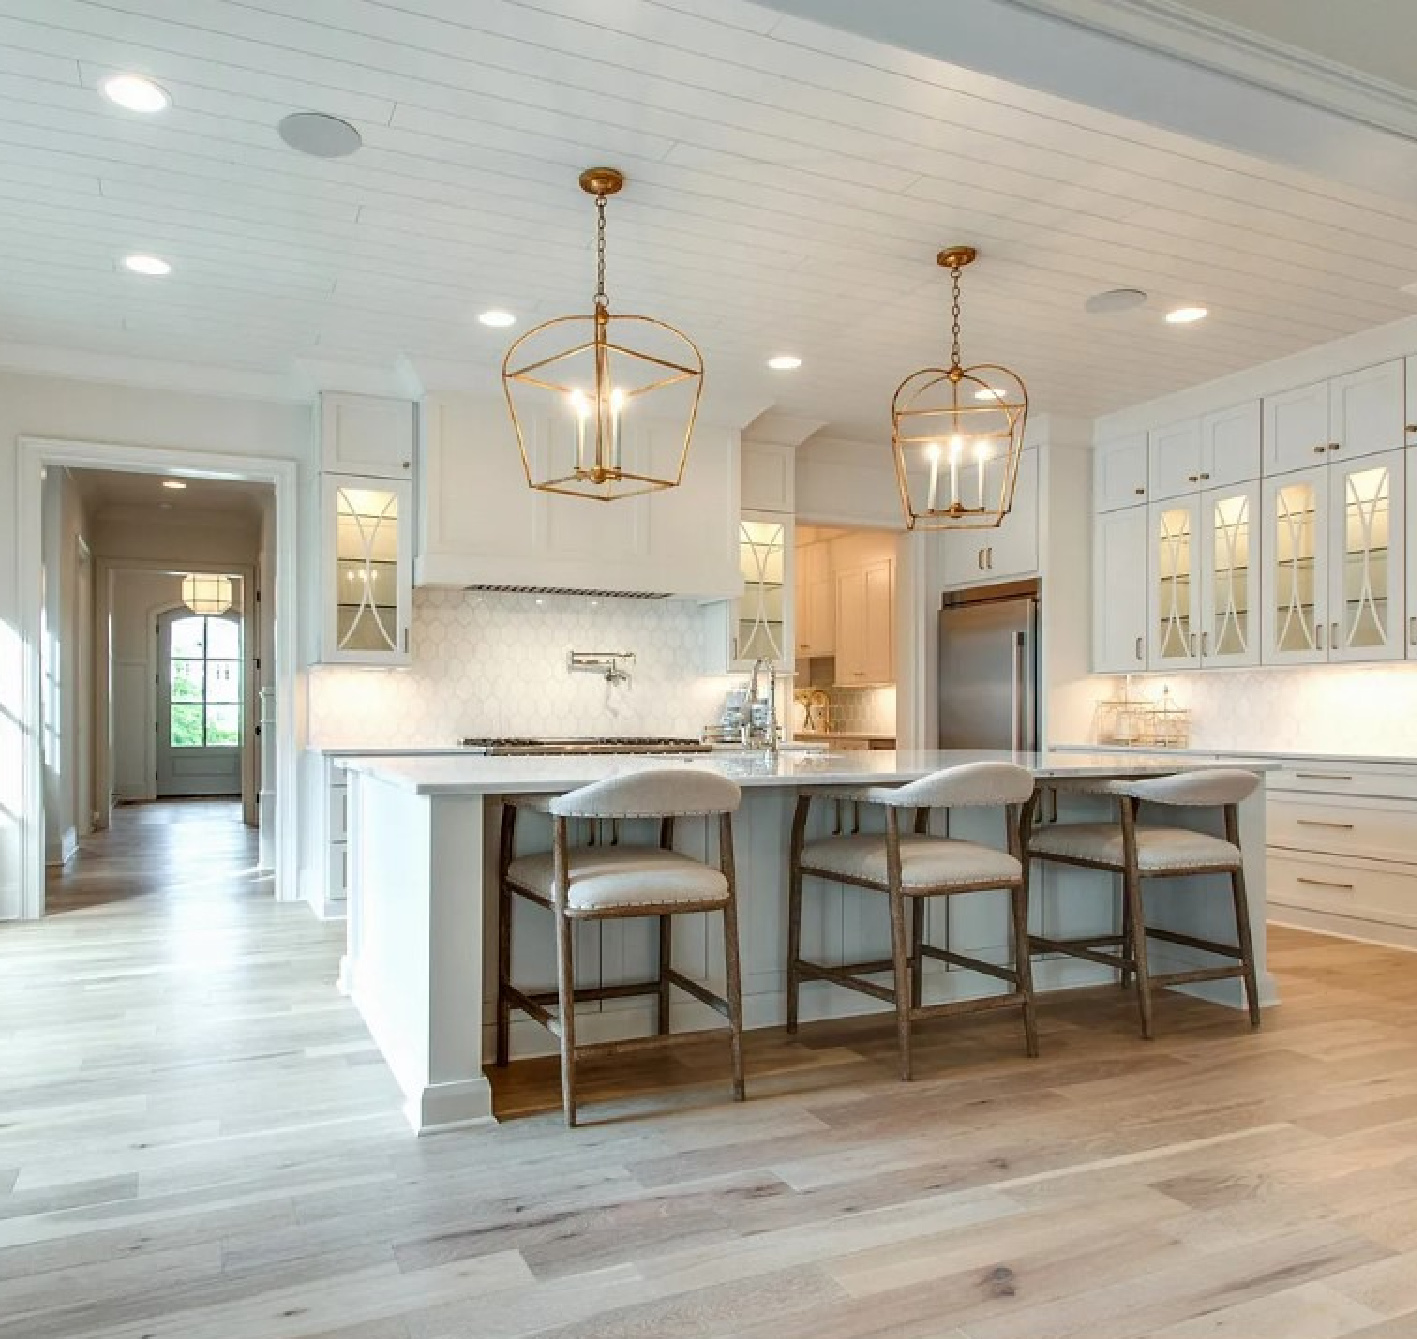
(761, 729)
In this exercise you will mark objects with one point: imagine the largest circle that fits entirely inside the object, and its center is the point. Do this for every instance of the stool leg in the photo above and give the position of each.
(734, 991)
(917, 952)
(1247, 944)
(661, 1010)
(903, 987)
(1124, 975)
(794, 910)
(1023, 963)
(566, 989)
(504, 973)
(1137, 929)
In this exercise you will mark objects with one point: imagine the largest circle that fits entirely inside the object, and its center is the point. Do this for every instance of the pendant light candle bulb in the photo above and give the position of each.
(580, 407)
(617, 404)
(932, 500)
(956, 451)
(981, 454)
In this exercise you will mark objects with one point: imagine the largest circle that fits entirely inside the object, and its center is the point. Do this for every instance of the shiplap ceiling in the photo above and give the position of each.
(235, 498)
(788, 187)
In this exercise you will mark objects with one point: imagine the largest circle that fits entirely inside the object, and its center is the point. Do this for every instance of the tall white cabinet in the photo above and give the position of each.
(1119, 625)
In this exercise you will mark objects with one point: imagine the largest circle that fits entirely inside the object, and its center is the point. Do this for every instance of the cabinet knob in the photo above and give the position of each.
(1192, 478)
(1204, 475)
(1319, 450)
(408, 464)
(1412, 427)
(1141, 492)
(1335, 446)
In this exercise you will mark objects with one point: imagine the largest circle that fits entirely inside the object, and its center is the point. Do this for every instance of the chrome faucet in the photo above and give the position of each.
(761, 729)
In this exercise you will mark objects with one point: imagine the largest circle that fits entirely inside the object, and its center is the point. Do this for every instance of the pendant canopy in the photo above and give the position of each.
(957, 433)
(603, 404)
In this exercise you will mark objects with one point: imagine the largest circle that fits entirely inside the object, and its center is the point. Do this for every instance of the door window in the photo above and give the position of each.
(204, 683)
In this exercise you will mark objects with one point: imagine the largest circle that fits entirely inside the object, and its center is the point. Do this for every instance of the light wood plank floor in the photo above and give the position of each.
(197, 1141)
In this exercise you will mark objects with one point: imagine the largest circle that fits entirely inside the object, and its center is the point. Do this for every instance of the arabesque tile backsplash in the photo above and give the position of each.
(1359, 710)
(495, 664)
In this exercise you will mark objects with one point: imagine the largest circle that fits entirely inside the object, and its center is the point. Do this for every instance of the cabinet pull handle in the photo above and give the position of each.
(979, 560)
(1141, 492)
(1193, 478)
(1318, 636)
(1412, 427)
(990, 552)
(1320, 823)
(1139, 648)
(1319, 450)
(1193, 643)
(1324, 883)
(1322, 776)
(1204, 475)
(1333, 636)
(1335, 446)
(1412, 630)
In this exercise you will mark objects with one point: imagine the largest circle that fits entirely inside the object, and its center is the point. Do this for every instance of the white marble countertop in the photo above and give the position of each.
(480, 775)
(1277, 756)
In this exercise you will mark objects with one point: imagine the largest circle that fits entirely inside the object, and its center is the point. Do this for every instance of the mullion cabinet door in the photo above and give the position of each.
(1173, 597)
(1295, 548)
(1366, 558)
(1230, 568)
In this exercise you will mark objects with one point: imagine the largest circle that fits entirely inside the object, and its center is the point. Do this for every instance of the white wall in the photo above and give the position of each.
(91, 411)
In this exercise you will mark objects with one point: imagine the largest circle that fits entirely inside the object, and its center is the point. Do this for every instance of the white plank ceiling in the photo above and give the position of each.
(788, 188)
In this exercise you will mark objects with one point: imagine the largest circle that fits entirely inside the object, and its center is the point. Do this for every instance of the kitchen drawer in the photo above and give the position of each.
(339, 812)
(1337, 827)
(1389, 780)
(1341, 887)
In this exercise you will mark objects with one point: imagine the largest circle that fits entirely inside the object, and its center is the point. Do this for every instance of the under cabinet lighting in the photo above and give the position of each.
(173, 483)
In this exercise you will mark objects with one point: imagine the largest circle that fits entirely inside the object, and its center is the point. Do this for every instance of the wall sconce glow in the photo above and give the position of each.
(206, 593)
(497, 319)
(151, 265)
(1185, 315)
(785, 362)
(135, 93)
(174, 484)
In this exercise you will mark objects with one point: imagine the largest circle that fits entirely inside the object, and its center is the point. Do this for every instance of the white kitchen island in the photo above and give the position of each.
(421, 959)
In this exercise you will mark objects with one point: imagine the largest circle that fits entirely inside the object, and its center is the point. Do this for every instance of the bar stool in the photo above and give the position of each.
(916, 866)
(1143, 851)
(580, 883)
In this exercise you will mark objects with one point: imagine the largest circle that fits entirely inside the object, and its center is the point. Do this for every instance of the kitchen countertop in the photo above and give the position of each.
(1277, 756)
(468, 774)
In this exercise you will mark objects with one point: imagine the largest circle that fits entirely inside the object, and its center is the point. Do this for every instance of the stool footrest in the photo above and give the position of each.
(969, 964)
(1082, 948)
(628, 1045)
(585, 994)
(700, 993)
(1197, 974)
(1191, 941)
(841, 976)
(1015, 999)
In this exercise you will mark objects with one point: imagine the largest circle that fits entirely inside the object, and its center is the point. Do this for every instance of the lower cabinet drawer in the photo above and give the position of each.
(1342, 888)
(1376, 831)
(1394, 780)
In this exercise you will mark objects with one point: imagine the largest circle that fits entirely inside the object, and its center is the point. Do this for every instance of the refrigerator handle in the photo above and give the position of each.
(1020, 687)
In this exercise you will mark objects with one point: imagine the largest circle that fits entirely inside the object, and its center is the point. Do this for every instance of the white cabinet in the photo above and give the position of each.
(1230, 575)
(769, 477)
(976, 557)
(366, 571)
(1119, 567)
(814, 609)
(1173, 593)
(482, 525)
(367, 435)
(1335, 562)
(1357, 414)
(1216, 450)
(1119, 473)
(757, 625)
(865, 624)
(1410, 413)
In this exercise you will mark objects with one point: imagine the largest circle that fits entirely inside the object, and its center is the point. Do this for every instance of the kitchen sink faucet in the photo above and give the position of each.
(761, 729)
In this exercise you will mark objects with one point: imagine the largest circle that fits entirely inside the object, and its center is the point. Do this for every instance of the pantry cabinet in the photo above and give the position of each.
(1120, 538)
(815, 604)
(366, 571)
(1357, 414)
(865, 624)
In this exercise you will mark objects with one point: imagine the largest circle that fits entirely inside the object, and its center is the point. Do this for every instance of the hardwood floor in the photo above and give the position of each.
(197, 1141)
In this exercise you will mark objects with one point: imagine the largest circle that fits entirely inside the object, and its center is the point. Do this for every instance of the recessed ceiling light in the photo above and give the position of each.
(319, 135)
(146, 265)
(173, 483)
(1185, 315)
(497, 318)
(1115, 300)
(784, 362)
(135, 93)
(988, 393)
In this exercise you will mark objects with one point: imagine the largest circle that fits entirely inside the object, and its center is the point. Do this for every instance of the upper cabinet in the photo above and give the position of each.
(758, 625)
(1119, 547)
(1119, 473)
(769, 477)
(1411, 414)
(366, 434)
(482, 525)
(1357, 414)
(367, 572)
(815, 602)
(977, 557)
(865, 624)
(1199, 453)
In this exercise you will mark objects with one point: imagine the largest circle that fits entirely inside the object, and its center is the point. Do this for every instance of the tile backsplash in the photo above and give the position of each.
(1361, 710)
(495, 664)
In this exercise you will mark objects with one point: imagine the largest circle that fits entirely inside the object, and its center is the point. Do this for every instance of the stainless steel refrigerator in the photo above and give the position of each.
(988, 668)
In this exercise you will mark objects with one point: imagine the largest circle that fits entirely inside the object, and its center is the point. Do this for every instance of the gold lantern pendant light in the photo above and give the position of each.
(206, 593)
(603, 405)
(957, 434)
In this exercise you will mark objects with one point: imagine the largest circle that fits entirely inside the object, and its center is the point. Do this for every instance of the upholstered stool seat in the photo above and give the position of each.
(607, 880)
(925, 862)
(1138, 851)
(1158, 848)
(908, 868)
(602, 877)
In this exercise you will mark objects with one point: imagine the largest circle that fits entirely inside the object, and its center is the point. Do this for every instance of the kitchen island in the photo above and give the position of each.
(421, 957)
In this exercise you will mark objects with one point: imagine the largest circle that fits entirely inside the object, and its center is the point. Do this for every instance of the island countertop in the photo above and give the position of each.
(482, 775)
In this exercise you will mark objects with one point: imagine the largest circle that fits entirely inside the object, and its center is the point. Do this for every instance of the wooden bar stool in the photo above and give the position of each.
(1141, 851)
(579, 883)
(910, 868)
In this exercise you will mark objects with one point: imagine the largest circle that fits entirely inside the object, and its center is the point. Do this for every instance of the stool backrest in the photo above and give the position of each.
(968, 785)
(656, 792)
(1210, 787)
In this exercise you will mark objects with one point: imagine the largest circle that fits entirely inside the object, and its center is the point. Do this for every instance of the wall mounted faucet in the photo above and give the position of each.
(608, 663)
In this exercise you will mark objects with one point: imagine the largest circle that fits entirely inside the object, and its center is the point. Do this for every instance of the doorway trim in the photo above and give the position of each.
(35, 455)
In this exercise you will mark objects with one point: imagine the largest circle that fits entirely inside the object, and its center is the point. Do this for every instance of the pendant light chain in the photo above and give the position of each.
(954, 313)
(601, 299)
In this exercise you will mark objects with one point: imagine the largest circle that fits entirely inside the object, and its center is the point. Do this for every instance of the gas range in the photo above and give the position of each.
(505, 747)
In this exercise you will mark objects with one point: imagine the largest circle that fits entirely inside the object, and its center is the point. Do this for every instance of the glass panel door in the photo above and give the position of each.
(762, 551)
(1365, 603)
(366, 569)
(1230, 626)
(1296, 549)
(1174, 590)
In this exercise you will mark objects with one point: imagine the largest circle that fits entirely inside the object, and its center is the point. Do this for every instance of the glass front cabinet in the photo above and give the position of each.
(757, 625)
(367, 535)
(1335, 556)
(1173, 611)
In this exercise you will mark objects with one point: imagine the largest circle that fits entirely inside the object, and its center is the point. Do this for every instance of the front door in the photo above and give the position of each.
(199, 704)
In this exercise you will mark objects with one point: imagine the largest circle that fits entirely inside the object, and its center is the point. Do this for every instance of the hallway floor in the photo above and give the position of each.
(197, 1141)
